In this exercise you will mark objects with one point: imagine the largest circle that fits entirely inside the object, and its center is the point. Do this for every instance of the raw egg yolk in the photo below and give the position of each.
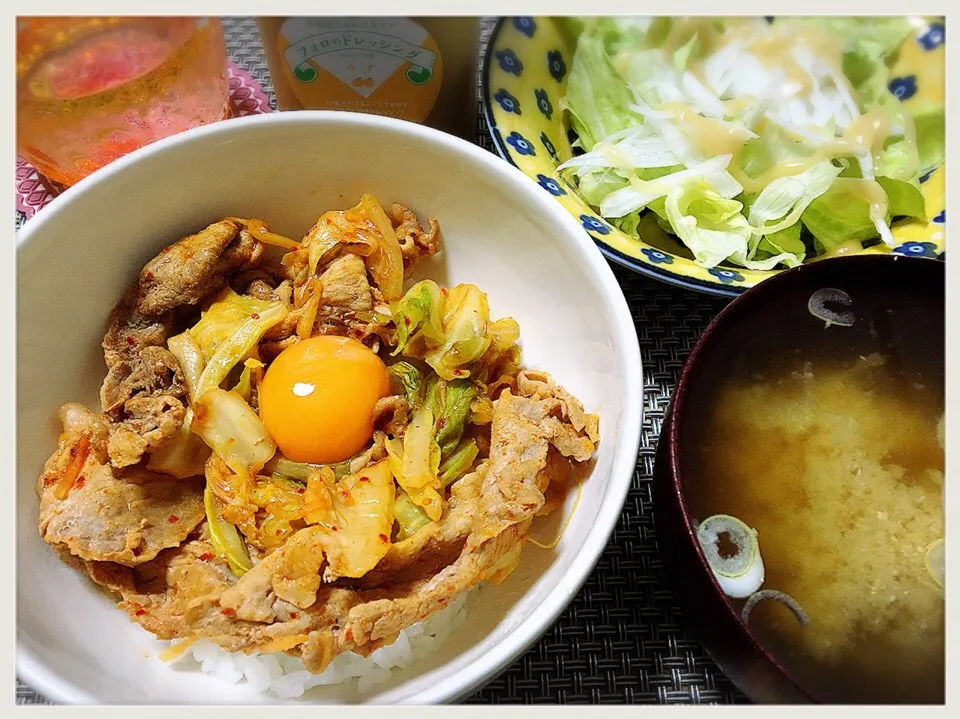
(317, 398)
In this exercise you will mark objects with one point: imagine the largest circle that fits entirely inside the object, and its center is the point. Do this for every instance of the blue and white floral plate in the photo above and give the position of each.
(524, 78)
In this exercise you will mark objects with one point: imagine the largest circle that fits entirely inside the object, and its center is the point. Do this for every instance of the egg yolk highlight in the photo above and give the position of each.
(317, 398)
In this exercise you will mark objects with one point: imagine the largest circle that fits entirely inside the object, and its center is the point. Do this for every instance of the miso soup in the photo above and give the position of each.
(827, 441)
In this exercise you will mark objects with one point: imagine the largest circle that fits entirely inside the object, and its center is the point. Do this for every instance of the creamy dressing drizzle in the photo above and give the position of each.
(863, 138)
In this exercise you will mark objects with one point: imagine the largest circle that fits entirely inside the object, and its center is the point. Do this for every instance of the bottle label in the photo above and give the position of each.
(386, 66)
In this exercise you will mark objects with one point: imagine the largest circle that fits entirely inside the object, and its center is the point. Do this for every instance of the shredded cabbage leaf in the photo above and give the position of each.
(356, 513)
(459, 463)
(465, 320)
(408, 381)
(450, 404)
(410, 517)
(419, 318)
(363, 230)
(451, 330)
(415, 462)
(229, 331)
(186, 454)
(681, 118)
(233, 431)
(225, 538)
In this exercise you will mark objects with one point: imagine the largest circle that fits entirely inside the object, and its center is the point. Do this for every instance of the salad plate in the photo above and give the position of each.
(712, 153)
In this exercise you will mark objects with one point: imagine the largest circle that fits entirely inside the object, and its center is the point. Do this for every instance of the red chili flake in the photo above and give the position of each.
(131, 341)
(228, 612)
(348, 635)
(173, 519)
(165, 250)
(148, 276)
(440, 423)
(255, 316)
(364, 479)
(333, 528)
(345, 494)
(205, 557)
(443, 291)
(294, 615)
(300, 490)
(140, 612)
(279, 532)
(384, 538)
(80, 482)
(406, 321)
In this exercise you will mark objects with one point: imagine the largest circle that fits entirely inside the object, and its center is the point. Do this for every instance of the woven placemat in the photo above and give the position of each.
(623, 639)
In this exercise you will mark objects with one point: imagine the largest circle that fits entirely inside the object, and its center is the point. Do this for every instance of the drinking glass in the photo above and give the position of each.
(92, 89)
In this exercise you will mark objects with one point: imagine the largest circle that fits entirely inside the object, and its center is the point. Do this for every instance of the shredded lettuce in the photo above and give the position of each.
(930, 129)
(736, 149)
(597, 98)
(711, 225)
(904, 198)
(836, 217)
(781, 203)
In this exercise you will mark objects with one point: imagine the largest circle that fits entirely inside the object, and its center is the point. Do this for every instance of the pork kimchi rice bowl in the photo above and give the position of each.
(304, 463)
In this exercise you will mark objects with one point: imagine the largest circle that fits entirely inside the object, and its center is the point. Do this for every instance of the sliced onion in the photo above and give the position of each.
(776, 596)
(935, 561)
(742, 574)
(817, 307)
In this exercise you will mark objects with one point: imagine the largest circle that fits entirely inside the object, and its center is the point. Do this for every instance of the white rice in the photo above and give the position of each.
(285, 676)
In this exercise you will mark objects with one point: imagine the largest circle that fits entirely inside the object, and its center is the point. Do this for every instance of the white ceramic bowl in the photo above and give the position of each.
(502, 232)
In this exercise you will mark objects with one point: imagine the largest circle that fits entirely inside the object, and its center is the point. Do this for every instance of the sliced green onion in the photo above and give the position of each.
(741, 574)
(817, 307)
(773, 594)
(935, 561)
(302, 470)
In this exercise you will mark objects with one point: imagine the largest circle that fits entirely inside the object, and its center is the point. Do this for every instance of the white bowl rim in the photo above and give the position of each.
(46, 682)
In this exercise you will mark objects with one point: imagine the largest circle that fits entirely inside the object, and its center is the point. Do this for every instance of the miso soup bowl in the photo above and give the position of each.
(771, 311)
(501, 232)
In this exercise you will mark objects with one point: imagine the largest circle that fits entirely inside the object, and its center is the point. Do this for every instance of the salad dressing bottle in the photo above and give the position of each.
(421, 69)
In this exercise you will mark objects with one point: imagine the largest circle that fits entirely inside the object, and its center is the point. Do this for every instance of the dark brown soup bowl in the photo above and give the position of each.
(899, 306)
